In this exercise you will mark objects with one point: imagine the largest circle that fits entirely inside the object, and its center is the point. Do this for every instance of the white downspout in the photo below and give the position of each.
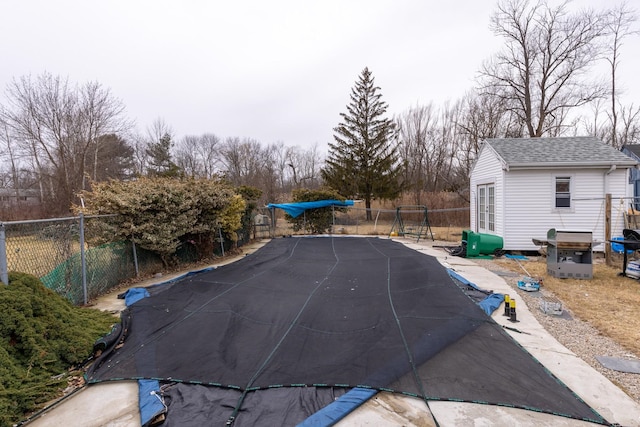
(606, 178)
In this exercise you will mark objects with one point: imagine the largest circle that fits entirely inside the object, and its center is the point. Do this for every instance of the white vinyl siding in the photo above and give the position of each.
(531, 205)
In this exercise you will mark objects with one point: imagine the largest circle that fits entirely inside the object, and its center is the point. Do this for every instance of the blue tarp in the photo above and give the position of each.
(296, 209)
(490, 303)
(134, 295)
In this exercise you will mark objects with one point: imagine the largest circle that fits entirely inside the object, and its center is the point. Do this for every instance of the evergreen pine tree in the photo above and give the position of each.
(160, 159)
(363, 159)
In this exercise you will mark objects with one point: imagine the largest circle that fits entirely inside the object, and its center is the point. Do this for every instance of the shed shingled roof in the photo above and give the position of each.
(557, 152)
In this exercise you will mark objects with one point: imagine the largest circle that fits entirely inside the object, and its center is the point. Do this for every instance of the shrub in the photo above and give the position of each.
(41, 336)
(160, 214)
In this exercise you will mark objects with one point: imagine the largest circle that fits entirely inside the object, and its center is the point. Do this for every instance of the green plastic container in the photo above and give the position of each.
(481, 243)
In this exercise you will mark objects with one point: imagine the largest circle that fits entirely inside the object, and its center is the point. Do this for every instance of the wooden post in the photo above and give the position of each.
(607, 230)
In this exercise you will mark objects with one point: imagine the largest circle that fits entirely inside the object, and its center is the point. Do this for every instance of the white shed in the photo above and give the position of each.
(522, 187)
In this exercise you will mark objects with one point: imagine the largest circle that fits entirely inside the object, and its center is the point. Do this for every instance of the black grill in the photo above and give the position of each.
(630, 236)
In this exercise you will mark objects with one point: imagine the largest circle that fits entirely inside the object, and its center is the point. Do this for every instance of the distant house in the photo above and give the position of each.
(522, 187)
(633, 151)
(9, 198)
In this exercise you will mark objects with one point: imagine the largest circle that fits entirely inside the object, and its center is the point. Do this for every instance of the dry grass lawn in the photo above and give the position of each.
(37, 256)
(609, 302)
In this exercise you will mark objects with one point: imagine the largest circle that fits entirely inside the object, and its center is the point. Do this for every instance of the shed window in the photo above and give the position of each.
(563, 192)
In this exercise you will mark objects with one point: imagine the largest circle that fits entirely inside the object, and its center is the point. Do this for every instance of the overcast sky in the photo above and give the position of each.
(268, 70)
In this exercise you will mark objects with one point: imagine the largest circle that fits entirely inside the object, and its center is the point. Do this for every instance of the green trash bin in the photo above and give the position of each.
(470, 242)
(481, 243)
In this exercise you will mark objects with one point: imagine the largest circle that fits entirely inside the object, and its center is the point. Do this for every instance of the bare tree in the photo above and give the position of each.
(630, 131)
(208, 152)
(10, 154)
(310, 166)
(541, 73)
(242, 161)
(269, 174)
(198, 156)
(446, 142)
(57, 125)
(593, 124)
(620, 25)
(303, 167)
(293, 162)
(98, 114)
(414, 126)
(280, 153)
(16, 180)
(429, 142)
(484, 117)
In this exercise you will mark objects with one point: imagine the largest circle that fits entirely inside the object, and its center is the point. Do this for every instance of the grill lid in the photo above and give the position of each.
(631, 234)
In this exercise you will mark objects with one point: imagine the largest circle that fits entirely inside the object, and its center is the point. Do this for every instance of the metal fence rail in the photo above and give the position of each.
(353, 220)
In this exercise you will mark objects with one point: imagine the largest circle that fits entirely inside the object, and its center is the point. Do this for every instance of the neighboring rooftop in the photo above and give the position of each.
(633, 148)
(555, 152)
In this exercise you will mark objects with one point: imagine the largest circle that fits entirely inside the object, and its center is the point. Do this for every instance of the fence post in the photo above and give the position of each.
(135, 257)
(333, 219)
(221, 240)
(4, 273)
(83, 259)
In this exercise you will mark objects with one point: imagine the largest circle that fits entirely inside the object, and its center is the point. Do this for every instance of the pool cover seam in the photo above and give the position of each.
(236, 410)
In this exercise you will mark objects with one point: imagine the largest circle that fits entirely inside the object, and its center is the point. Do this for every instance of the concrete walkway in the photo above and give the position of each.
(116, 405)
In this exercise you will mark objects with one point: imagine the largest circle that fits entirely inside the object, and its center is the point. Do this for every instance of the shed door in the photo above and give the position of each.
(486, 208)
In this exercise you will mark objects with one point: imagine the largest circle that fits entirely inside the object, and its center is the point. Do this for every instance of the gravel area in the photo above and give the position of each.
(576, 335)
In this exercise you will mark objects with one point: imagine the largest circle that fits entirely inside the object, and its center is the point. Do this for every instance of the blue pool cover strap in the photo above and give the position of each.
(149, 401)
(334, 412)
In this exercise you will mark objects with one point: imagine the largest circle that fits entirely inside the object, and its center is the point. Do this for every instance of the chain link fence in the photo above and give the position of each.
(409, 220)
(70, 256)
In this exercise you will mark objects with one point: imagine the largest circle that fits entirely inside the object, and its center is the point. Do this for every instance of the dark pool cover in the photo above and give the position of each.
(334, 312)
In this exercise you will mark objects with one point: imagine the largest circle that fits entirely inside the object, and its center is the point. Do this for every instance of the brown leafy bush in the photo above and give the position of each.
(160, 214)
